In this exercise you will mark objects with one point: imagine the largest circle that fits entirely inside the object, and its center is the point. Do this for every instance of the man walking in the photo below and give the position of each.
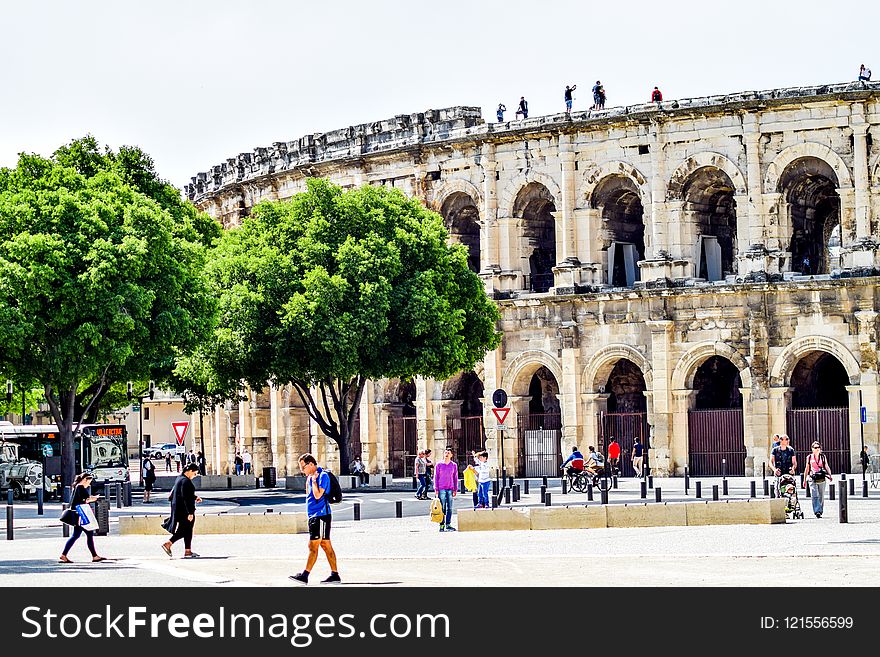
(568, 98)
(318, 507)
(183, 511)
(638, 455)
(247, 459)
(614, 455)
(421, 470)
(446, 485)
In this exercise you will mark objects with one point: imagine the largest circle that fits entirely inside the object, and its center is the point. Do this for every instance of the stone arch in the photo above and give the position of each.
(798, 151)
(461, 216)
(447, 188)
(686, 368)
(508, 197)
(594, 174)
(875, 173)
(518, 375)
(599, 367)
(783, 366)
(677, 182)
(468, 388)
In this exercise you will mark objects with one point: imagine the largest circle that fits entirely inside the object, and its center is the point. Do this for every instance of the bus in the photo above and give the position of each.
(99, 448)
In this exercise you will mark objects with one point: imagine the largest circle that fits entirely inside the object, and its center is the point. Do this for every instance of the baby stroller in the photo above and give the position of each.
(786, 488)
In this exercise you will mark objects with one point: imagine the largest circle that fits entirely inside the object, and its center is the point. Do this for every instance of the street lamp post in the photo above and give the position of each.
(149, 392)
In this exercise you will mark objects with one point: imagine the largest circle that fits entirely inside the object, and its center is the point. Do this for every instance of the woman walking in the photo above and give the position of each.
(81, 495)
(183, 511)
(819, 474)
(149, 477)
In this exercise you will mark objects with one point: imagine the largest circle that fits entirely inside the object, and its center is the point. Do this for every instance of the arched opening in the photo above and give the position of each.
(809, 186)
(540, 431)
(461, 216)
(623, 228)
(535, 205)
(402, 427)
(715, 422)
(626, 417)
(709, 203)
(464, 425)
(820, 408)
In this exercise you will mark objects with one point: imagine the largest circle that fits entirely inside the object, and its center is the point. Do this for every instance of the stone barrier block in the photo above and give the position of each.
(151, 525)
(295, 482)
(748, 512)
(221, 482)
(492, 520)
(223, 523)
(647, 515)
(569, 517)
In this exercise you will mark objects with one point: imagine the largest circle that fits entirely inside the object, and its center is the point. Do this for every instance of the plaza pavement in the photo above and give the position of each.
(411, 552)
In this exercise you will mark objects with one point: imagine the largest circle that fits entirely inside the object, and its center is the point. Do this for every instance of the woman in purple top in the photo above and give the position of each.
(446, 485)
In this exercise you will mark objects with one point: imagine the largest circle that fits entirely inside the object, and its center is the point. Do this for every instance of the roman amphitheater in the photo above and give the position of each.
(698, 273)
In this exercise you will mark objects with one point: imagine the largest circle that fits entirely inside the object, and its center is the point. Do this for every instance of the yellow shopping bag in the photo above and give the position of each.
(436, 510)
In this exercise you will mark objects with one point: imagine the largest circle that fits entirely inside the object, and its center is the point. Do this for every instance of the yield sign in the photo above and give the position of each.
(501, 414)
(180, 431)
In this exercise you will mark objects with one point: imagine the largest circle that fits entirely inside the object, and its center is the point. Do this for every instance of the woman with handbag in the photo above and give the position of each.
(81, 495)
(819, 474)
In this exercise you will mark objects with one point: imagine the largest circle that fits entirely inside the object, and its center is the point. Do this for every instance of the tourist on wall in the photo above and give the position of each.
(656, 96)
(523, 109)
(819, 473)
(598, 96)
(864, 73)
(447, 487)
(568, 97)
(182, 520)
(499, 113)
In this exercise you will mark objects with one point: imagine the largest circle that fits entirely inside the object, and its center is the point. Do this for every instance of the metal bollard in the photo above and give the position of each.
(831, 491)
(724, 487)
(384, 483)
(650, 481)
(515, 490)
(590, 492)
(40, 492)
(752, 489)
(773, 492)
(614, 482)
(565, 486)
(461, 488)
(844, 515)
(398, 511)
(9, 496)
(864, 488)
(415, 483)
(506, 495)
(699, 489)
(766, 488)
(643, 489)
(687, 480)
(852, 487)
(547, 499)
(510, 481)
(809, 489)
(118, 495)
(495, 487)
(525, 487)
(658, 496)
(357, 510)
(229, 482)
(544, 481)
(603, 495)
(543, 494)
(9, 523)
(715, 493)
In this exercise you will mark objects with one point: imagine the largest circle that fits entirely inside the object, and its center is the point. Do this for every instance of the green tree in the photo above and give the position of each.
(101, 277)
(330, 289)
(26, 397)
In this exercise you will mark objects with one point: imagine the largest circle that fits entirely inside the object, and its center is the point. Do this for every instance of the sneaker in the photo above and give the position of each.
(333, 579)
(302, 578)
(442, 528)
(167, 549)
(818, 515)
(451, 529)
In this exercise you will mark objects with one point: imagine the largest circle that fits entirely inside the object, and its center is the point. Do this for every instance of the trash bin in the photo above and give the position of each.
(102, 515)
(269, 477)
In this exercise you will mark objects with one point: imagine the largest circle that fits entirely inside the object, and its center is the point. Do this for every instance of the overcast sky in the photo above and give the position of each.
(195, 82)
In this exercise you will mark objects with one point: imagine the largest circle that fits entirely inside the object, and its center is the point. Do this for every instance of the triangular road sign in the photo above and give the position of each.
(180, 431)
(501, 414)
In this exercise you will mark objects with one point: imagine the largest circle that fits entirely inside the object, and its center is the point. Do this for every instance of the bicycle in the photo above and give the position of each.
(579, 481)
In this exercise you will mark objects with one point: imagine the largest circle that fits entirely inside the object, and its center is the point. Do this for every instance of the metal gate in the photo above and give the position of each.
(625, 427)
(540, 438)
(402, 441)
(713, 435)
(465, 435)
(830, 426)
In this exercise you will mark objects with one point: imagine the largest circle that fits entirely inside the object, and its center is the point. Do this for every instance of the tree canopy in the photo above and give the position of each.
(101, 276)
(331, 288)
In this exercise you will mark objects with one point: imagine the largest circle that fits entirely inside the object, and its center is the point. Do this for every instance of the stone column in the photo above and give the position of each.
(752, 440)
(656, 237)
(276, 438)
(682, 402)
(860, 169)
(424, 411)
(778, 403)
(665, 429)
(570, 386)
(489, 233)
(566, 246)
(594, 403)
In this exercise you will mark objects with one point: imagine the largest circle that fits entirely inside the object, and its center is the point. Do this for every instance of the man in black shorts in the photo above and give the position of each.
(317, 485)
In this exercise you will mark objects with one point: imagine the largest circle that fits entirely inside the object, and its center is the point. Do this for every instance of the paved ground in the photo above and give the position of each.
(410, 552)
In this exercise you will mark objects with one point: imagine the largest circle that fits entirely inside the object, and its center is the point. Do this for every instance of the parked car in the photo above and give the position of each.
(160, 451)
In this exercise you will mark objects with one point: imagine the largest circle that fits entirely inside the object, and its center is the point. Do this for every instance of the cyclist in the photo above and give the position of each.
(595, 463)
(577, 463)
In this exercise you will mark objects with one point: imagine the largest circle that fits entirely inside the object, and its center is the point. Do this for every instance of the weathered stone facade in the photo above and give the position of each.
(667, 258)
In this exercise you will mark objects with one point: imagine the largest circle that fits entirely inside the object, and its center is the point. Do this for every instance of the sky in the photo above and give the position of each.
(195, 82)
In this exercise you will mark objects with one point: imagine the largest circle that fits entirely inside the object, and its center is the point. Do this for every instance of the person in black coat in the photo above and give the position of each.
(183, 511)
(81, 494)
